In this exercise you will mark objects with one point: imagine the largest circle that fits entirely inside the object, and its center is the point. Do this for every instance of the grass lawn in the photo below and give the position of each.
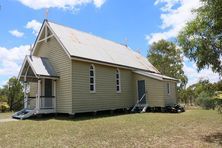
(5, 115)
(194, 128)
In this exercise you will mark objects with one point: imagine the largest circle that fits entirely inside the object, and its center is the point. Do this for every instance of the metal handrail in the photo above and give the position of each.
(138, 101)
(47, 96)
(22, 100)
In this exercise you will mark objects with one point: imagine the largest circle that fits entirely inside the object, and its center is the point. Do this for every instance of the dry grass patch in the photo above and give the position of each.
(196, 128)
(6, 115)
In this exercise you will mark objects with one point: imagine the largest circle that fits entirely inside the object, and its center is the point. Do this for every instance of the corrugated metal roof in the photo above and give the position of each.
(155, 75)
(41, 66)
(84, 45)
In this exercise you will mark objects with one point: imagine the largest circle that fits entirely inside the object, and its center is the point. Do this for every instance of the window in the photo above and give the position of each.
(168, 88)
(92, 84)
(118, 86)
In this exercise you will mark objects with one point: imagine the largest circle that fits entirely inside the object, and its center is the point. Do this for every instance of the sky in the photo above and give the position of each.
(137, 23)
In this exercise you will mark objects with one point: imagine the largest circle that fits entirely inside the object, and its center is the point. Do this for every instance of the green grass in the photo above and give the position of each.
(194, 128)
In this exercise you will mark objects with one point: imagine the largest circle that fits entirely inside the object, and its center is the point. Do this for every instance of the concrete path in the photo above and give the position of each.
(7, 120)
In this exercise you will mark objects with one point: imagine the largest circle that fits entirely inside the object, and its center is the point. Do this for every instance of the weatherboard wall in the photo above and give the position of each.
(62, 65)
(171, 97)
(105, 97)
(155, 91)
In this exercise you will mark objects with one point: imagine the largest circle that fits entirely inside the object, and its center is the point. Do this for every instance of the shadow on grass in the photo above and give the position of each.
(79, 116)
(214, 138)
(86, 116)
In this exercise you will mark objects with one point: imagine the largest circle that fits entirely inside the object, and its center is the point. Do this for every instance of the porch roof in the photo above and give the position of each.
(40, 67)
(155, 75)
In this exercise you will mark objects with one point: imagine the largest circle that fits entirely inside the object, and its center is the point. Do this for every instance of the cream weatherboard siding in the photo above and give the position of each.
(33, 89)
(171, 97)
(62, 65)
(32, 93)
(155, 91)
(73, 87)
(105, 97)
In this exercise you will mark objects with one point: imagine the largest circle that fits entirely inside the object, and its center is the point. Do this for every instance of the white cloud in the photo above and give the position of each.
(194, 76)
(34, 25)
(173, 19)
(98, 3)
(16, 33)
(2, 83)
(11, 60)
(63, 4)
(175, 14)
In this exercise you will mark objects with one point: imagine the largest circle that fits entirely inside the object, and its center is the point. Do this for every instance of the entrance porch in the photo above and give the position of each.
(39, 81)
(42, 96)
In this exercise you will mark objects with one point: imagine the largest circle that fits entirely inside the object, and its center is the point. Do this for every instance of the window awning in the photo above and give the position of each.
(155, 75)
(38, 67)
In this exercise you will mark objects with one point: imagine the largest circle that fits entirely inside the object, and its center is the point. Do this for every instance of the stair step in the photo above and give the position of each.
(140, 108)
(23, 114)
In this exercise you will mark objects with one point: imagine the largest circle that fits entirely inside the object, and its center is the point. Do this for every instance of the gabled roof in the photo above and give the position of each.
(87, 46)
(155, 75)
(40, 66)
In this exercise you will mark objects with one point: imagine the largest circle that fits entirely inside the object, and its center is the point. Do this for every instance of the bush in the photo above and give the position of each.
(218, 98)
(4, 107)
(205, 101)
(219, 105)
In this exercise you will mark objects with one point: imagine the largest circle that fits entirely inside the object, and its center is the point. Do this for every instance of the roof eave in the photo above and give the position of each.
(108, 63)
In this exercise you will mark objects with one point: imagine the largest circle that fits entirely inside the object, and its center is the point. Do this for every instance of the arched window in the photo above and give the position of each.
(92, 75)
(168, 88)
(118, 82)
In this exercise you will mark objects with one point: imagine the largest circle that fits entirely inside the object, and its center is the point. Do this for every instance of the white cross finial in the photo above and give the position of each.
(126, 41)
(46, 13)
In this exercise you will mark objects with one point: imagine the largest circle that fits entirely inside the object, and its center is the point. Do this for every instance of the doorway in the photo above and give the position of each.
(141, 91)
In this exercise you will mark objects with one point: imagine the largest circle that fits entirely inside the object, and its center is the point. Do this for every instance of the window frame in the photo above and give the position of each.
(118, 79)
(93, 69)
(168, 88)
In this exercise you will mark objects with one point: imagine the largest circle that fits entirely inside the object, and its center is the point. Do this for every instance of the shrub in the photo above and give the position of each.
(218, 98)
(205, 101)
(4, 107)
(219, 105)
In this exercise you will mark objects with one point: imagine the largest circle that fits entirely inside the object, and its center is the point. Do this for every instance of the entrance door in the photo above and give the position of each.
(141, 91)
(48, 94)
(48, 87)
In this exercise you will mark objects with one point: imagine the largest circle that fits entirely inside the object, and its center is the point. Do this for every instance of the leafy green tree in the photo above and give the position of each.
(166, 57)
(186, 95)
(204, 86)
(15, 94)
(182, 96)
(218, 85)
(3, 95)
(201, 39)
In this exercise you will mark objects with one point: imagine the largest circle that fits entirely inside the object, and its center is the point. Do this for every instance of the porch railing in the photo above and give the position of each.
(31, 102)
(47, 102)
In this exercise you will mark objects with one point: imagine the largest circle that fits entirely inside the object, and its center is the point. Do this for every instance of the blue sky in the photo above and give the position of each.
(141, 22)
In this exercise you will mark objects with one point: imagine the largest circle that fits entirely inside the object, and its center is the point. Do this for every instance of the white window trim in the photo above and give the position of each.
(168, 88)
(118, 72)
(94, 78)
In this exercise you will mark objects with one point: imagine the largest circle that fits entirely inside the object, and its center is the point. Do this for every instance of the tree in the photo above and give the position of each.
(218, 85)
(15, 94)
(186, 95)
(201, 38)
(3, 95)
(204, 86)
(166, 57)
